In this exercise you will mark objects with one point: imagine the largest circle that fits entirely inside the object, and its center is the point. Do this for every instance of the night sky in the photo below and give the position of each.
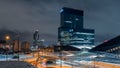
(25, 16)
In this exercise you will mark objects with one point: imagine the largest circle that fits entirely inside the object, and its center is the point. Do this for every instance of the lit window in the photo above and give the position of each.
(71, 30)
(68, 21)
(76, 19)
(61, 10)
(108, 50)
(116, 48)
(113, 49)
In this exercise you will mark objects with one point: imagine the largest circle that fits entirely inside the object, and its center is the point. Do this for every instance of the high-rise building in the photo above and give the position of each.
(25, 46)
(71, 18)
(16, 46)
(71, 31)
(35, 40)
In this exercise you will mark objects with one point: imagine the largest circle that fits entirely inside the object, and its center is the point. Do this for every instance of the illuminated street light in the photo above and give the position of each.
(7, 37)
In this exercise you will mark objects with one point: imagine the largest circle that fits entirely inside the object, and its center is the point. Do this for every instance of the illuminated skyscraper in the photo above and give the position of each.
(36, 36)
(71, 31)
(35, 39)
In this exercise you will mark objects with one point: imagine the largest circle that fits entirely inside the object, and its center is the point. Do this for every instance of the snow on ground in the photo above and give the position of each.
(10, 57)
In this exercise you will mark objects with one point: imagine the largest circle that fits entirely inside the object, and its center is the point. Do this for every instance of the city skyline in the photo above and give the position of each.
(27, 16)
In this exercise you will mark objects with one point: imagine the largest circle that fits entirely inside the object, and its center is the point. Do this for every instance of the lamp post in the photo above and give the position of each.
(60, 48)
(37, 59)
(71, 63)
(94, 57)
(7, 38)
(42, 47)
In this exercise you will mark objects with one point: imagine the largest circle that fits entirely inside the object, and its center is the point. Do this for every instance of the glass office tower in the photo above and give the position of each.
(71, 31)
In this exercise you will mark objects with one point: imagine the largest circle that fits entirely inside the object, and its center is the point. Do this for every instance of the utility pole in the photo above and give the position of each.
(7, 38)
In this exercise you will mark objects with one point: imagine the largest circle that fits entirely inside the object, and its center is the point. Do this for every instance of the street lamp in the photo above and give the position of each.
(42, 47)
(7, 38)
(60, 50)
(94, 57)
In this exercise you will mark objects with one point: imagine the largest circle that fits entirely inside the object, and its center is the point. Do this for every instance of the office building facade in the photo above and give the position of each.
(71, 31)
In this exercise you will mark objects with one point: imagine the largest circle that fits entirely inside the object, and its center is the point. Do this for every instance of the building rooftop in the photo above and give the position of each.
(71, 11)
